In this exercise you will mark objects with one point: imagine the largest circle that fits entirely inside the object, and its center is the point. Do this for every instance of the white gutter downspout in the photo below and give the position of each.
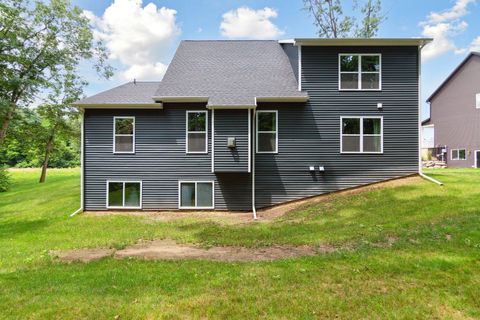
(82, 112)
(254, 148)
(420, 130)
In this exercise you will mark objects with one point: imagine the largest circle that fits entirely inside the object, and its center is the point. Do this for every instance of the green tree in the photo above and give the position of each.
(40, 45)
(57, 117)
(331, 21)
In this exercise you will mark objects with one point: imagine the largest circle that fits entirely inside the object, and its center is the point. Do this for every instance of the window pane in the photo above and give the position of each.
(454, 154)
(372, 144)
(267, 121)
(187, 197)
(349, 63)
(115, 194)
(124, 144)
(204, 194)
(370, 81)
(370, 63)
(123, 126)
(371, 126)
(350, 143)
(461, 154)
(351, 126)
(349, 81)
(196, 142)
(197, 121)
(132, 194)
(267, 142)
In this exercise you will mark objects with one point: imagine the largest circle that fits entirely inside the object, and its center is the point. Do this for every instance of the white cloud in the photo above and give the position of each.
(248, 23)
(442, 26)
(475, 45)
(139, 37)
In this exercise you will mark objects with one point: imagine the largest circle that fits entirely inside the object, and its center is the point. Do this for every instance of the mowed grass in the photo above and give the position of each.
(432, 269)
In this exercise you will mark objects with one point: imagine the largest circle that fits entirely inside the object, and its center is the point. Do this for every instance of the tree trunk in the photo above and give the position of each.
(45, 160)
(5, 123)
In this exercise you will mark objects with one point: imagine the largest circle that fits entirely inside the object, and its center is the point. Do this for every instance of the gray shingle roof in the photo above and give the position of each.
(139, 93)
(229, 72)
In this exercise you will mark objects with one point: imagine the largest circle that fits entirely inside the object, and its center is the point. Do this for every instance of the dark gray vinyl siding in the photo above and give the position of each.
(231, 123)
(310, 134)
(160, 160)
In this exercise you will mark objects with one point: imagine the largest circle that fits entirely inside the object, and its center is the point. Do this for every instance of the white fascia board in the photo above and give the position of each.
(119, 106)
(363, 42)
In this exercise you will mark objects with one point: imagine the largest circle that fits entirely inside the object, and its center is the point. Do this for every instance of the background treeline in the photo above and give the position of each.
(27, 140)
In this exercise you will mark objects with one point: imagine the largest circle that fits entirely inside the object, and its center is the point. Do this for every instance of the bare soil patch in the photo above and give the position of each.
(170, 250)
(82, 255)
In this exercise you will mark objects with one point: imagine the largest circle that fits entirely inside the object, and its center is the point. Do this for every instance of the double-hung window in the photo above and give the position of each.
(267, 131)
(361, 134)
(124, 134)
(458, 154)
(360, 72)
(196, 195)
(124, 194)
(197, 132)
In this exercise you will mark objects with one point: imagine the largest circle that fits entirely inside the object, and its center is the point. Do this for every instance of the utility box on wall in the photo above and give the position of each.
(231, 142)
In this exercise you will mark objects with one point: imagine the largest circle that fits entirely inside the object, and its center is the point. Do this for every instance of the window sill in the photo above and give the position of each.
(200, 152)
(360, 90)
(343, 152)
(196, 208)
(108, 207)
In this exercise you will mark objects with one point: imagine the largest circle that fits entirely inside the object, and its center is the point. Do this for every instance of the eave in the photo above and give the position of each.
(417, 42)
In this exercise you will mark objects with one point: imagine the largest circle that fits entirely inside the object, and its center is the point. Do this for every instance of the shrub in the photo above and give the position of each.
(4, 179)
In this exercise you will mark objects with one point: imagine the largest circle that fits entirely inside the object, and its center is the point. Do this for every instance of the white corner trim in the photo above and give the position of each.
(299, 67)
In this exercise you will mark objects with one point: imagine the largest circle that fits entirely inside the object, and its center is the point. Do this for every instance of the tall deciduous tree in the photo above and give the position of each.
(331, 21)
(40, 44)
(57, 116)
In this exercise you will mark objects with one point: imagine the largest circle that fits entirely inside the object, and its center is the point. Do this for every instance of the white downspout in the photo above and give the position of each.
(420, 129)
(254, 148)
(82, 112)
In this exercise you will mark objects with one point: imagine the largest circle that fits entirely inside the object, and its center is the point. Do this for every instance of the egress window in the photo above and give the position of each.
(124, 194)
(124, 134)
(197, 132)
(361, 135)
(360, 72)
(458, 154)
(196, 195)
(267, 131)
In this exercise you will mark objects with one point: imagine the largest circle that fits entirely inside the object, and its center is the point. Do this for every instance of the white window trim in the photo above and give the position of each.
(276, 131)
(196, 182)
(123, 135)
(361, 134)
(475, 164)
(123, 196)
(359, 72)
(187, 132)
(477, 101)
(458, 152)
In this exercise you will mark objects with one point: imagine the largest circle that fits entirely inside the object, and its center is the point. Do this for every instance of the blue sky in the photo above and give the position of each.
(143, 35)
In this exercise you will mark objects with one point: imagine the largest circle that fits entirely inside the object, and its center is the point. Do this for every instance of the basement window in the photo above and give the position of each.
(197, 132)
(124, 194)
(458, 154)
(195, 195)
(360, 72)
(361, 135)
(124, 135)
(267, 131)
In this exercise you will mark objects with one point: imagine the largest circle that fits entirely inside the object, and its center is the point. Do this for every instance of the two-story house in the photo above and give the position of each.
(455, 115)
(241, 125)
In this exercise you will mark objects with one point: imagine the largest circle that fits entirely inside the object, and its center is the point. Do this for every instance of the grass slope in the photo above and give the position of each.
(430, 271)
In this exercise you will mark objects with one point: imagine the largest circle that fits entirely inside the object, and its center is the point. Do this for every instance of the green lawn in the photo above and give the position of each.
(431, 271)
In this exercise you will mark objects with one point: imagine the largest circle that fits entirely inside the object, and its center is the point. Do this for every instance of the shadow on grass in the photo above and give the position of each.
(11, 229)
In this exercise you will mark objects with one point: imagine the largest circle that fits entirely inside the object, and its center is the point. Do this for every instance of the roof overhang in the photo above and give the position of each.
(119, 106)
(417, 42)
(282, 99)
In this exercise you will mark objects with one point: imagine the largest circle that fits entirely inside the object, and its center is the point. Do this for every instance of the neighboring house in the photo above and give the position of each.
(241, 125)
(455, 114)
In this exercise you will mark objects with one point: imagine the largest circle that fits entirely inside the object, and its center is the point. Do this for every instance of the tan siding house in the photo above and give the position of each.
(455, 114)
